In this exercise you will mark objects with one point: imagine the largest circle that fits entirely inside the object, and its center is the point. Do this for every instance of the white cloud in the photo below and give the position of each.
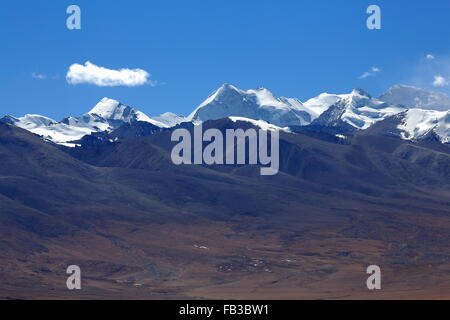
(103, 77)
(430, 57)
(371, 73)
(440, 81)
(38, 76)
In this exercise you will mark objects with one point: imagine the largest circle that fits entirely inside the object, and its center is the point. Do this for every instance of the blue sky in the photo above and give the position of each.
(295, 48)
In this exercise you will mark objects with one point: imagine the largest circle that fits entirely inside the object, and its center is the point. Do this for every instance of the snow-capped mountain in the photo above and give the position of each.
(58, 132)
(112, 111)
(259, 104)
(29, 121)
(417, 124)
(322, 102)
(413, 97)
(107, 115)
(338, 113)
(169, 119)
(357, 110)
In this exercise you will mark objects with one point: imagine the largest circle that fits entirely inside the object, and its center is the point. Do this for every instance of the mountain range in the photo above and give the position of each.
(362, 181)
(419, 113)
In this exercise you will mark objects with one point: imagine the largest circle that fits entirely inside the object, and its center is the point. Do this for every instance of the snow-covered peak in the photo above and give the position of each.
(342, 112)
(113, 110)
(359, 98)
(107, 108)
(169, 119)
(225, 91)
(266, 98)
(417, 123)
(30, 121)
(106, 115)
(413, 97)
(257, 104)
(357, 109)
(360, 94)
(49, 129)
(322, 102)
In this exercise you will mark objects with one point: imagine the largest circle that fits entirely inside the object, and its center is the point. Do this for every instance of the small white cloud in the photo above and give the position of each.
(38, 76)
(103, 77)
(371, 73)
(430, 57)
(440, 81)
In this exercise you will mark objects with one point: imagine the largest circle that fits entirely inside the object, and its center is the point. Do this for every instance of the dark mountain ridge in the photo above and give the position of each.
(122, 210)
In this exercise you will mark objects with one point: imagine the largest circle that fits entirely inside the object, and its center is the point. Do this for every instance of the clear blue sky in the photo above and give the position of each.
(295, 48)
